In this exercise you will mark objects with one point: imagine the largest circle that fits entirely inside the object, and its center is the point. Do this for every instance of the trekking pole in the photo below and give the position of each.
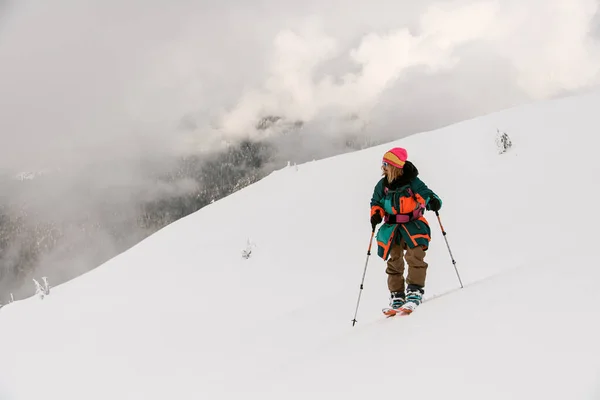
(363, 277)
(449, 251)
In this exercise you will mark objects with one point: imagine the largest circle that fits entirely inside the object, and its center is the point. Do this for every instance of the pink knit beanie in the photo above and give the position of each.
(396, 157)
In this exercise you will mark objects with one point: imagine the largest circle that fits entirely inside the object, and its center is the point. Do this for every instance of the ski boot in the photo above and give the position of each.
(414, 297)
(397, 300)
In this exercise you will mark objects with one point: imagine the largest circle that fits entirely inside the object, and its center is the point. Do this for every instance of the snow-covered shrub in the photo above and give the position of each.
(248, 250)
(503, 142)
(42, 290)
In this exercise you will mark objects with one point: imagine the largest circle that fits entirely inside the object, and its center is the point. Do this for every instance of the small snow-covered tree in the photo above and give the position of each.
(503, 142)
(248, 250)
(42, 290)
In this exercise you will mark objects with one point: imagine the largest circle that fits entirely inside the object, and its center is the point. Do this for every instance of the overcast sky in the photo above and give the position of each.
(83, 79)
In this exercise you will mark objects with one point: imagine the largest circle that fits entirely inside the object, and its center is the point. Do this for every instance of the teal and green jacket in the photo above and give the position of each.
(385, 200)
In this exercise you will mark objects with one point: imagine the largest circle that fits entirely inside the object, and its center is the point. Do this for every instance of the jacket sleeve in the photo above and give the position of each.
(377, 199)
(418, 186)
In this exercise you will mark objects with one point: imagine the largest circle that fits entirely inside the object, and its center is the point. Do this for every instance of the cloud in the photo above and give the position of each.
(544, 47)
(126, 76)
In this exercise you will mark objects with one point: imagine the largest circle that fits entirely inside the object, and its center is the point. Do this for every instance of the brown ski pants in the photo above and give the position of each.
(417, 267)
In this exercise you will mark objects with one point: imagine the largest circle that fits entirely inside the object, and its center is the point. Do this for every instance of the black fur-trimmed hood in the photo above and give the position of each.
(410, 173)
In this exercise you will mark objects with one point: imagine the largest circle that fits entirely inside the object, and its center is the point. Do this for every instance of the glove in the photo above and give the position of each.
(434, 204)
(375, 220)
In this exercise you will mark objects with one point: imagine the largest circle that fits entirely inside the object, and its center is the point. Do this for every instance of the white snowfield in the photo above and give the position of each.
(183, 315)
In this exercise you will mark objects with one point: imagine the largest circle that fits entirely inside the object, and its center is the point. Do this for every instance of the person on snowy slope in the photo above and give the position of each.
(399, 200)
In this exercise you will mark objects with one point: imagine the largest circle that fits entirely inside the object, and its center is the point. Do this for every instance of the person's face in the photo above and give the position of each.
(385, 167)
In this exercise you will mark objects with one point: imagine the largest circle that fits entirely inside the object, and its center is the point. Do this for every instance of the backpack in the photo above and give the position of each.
(405, 205)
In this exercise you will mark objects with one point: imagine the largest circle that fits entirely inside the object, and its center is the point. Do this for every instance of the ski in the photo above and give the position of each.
(392, 312)
(405, 309)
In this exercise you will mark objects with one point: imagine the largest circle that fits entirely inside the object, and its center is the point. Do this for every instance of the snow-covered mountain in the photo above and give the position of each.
(187, 314)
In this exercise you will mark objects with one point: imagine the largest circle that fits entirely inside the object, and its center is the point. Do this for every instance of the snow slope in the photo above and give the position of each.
(183, 315)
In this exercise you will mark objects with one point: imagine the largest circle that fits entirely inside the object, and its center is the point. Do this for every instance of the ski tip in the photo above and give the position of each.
(389, 312)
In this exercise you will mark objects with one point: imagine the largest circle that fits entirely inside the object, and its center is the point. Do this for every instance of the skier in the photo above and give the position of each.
(399, 200)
